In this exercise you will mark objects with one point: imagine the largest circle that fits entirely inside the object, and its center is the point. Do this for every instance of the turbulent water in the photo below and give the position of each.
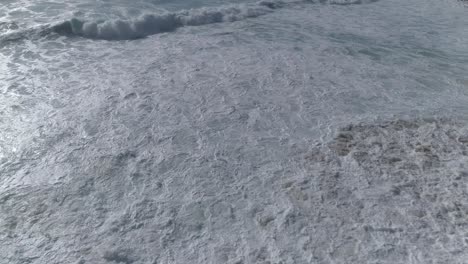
(223, 131)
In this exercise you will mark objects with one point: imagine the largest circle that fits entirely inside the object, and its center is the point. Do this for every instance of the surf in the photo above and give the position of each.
(151, 24)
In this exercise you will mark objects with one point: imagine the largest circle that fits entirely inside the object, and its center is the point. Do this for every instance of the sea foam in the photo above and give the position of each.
(150, 24)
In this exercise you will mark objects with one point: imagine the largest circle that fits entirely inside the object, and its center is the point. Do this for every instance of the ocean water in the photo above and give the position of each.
(223, 131)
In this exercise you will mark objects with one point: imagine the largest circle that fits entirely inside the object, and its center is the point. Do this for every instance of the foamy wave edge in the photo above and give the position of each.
(150, 24)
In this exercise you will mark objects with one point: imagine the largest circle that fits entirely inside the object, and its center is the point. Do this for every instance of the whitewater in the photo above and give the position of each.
(233, 131)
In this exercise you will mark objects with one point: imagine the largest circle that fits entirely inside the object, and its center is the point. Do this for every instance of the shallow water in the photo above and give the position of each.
(214, 131)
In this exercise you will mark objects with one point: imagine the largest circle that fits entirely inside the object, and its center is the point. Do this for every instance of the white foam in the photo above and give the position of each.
(150, 24)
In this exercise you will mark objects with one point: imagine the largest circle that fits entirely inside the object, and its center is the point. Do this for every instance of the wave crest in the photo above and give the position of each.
(151, 24)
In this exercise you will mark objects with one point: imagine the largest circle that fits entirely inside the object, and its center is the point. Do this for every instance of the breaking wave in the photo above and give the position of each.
(150, 24)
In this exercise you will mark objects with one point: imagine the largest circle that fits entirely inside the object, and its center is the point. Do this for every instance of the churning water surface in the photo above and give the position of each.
(215, 131)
